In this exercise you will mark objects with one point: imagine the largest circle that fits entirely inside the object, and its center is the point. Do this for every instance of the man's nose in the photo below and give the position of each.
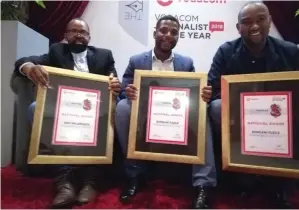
(168, 35)
(255, 26)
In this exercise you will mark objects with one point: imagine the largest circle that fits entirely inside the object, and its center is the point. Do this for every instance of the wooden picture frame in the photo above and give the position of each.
(233, 88)
(43, 125)
(195, 82)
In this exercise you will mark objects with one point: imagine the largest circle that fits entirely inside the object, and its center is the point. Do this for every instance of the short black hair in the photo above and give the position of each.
(247, 4)
(167, 17)
(77, 18)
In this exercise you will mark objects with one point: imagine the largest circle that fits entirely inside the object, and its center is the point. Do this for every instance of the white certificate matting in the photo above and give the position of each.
(76, 117)
(167, 120)
(266, 124)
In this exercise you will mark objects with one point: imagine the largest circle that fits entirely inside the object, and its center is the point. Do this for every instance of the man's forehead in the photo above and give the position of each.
(77, 24)
(254, 9)
(168, 23)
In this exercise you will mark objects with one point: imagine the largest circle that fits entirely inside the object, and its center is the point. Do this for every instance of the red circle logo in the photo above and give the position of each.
(176, 104)
(165, 3)
(275, 110)
(87, 105)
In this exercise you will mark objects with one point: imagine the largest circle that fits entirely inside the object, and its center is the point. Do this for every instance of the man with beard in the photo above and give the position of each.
(161, 58)
(78, 56)
(254, 52)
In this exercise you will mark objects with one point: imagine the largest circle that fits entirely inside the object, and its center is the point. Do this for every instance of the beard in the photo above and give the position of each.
(77, 48)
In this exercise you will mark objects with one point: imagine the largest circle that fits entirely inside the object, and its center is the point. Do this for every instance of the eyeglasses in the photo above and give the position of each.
(76, 32)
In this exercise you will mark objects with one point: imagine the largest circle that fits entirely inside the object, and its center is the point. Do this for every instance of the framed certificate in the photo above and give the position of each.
(168, 119)
(259, 117)
(73, 120)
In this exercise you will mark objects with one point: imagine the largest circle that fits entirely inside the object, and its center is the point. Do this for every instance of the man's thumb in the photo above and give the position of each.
(111, 76)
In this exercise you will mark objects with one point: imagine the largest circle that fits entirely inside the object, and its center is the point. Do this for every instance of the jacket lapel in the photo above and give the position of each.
(177, 63)
(69, 61)
(90, 61)
(148, 61)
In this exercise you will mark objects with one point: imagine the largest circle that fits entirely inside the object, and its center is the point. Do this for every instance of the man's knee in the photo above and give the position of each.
(215, 111)
(123, 108)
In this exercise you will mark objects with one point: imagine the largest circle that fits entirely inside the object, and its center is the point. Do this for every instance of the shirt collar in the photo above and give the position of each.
(80, 55)
(171, 57)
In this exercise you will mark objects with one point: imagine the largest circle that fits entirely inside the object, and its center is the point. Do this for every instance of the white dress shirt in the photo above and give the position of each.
(80, 62)
(158, 65)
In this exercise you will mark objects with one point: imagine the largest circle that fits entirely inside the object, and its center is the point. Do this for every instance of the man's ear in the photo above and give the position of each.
(154, 34)
(270, 20)
(65, 36)
(238, 27)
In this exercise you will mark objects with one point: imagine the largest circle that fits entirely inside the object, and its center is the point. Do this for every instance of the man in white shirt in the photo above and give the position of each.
(78, 56)
(162, 58)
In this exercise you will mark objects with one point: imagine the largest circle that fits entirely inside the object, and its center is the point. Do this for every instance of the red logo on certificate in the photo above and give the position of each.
(176, 104)
(275, 110)
(86, 105)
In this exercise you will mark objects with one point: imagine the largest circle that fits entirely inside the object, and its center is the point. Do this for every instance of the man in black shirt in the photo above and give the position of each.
(254, 52)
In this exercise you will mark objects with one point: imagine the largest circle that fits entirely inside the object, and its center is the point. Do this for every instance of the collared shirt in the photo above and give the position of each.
(80, 61)
(158, 65)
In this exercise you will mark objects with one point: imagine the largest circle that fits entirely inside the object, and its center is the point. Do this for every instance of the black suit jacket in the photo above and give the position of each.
(100, 61)
(280, 56)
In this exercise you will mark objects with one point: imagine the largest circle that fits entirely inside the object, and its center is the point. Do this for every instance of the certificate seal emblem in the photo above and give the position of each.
(86, 105)
(176, 104)
(275, 110)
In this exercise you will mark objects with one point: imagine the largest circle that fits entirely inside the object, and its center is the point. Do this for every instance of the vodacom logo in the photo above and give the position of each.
(165, 3)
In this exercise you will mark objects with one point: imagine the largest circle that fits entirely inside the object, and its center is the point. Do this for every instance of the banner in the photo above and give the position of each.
(126, 27)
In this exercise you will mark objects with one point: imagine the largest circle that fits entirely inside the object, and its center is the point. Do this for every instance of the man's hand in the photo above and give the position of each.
(36, 74)
(206, 93)
(131, 92)
(114, 85)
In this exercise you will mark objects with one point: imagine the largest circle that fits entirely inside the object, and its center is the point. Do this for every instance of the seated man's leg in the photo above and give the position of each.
(31, 112)
(133, 168)
(215, 114)
(242, 182)
(204, 176)
(65, 190)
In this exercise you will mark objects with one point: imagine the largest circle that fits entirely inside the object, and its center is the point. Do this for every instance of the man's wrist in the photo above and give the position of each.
(25, 68)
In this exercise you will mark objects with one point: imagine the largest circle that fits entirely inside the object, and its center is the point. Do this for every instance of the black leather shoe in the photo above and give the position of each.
(88, 192)
(130, 190)
(66, 193)
(65, 196)
(201, 199)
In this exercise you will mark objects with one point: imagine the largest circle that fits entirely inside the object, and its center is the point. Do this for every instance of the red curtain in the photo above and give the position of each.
(283, 15)
(51, 21)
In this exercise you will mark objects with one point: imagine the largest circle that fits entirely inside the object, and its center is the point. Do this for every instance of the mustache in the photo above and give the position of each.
(80, 39)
